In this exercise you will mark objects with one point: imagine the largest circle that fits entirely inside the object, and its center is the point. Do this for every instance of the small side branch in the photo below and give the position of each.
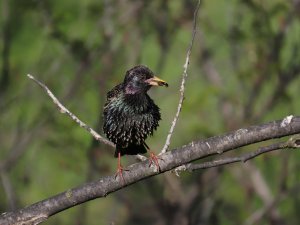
(244, 158)
(63, 109)
(293, 142)
(182, 86)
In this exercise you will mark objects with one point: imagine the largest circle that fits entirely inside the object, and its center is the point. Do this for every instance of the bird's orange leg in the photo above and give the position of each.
(154, 160)
(120, 169)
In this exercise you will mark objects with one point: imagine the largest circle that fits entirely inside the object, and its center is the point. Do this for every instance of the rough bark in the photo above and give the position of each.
(40, 211)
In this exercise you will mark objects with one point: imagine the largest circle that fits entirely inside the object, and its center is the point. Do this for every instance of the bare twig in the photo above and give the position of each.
(243, 158)
(220, 162)
(63, 109)
(182, 87)
(293, 142)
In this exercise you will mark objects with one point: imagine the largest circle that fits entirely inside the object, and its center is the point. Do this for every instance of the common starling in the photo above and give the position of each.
(130, 115)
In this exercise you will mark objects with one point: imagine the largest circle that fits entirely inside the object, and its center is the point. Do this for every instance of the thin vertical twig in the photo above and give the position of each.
(182, 86)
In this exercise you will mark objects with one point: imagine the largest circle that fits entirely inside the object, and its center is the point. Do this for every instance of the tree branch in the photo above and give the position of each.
(293, 142)
(42, 210)
(63, 109)
(182, 86)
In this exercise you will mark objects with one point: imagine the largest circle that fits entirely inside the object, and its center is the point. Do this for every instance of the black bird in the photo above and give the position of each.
(130, 115)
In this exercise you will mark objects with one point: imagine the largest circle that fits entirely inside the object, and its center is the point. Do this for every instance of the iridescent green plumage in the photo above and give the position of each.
(130, 115)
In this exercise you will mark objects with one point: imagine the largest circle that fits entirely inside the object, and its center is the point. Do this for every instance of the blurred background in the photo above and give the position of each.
(244, 70)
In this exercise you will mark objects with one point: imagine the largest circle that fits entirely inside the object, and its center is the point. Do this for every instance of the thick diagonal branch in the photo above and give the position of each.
(40, 211)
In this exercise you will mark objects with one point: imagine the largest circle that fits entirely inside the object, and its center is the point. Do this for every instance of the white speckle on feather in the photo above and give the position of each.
(286, 121)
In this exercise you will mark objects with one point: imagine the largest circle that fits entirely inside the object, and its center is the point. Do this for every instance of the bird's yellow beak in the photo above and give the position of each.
(155, 81)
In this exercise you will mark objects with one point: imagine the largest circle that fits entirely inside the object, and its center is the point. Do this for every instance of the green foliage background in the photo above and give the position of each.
(244, 70)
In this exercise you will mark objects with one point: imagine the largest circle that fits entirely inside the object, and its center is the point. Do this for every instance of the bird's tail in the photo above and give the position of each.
(132, 149)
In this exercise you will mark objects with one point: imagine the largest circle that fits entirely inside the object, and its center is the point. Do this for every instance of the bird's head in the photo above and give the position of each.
(140, 79)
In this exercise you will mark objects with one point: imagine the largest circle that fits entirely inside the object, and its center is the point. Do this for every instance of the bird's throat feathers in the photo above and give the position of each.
(132, 89)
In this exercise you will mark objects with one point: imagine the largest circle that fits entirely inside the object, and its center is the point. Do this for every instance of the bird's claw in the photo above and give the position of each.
(154, 160)
(119, 173)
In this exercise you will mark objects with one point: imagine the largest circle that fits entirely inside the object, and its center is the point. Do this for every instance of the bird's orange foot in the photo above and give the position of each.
(120, 169)
(154, 160)
(119, 173)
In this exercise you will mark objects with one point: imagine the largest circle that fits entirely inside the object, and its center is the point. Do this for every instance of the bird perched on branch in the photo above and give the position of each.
(130, 115)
